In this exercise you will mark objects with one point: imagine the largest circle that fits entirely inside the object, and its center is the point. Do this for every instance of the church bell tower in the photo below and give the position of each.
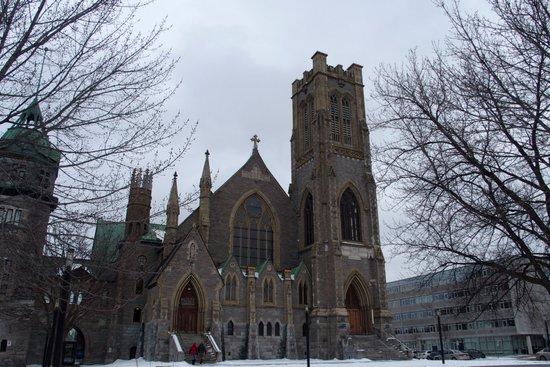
(334, 194)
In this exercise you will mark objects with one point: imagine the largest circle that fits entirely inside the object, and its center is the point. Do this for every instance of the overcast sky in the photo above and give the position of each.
(239, 59)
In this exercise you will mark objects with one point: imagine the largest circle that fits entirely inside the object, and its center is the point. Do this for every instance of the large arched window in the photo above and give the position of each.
(231, 288)
(253, 232)
(350, 216)
(309, 234)
(230, 328)
(277, 329)
(340, 119)
(268, 291)
(269, 329)
(261, 329)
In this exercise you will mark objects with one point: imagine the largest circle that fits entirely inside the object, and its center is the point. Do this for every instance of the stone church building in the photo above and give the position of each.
(244, 266)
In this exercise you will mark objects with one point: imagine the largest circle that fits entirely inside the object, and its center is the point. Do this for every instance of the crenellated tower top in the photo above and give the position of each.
(139, 204)
(353, 74)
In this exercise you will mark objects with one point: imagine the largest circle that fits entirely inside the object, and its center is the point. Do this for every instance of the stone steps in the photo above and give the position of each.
(373, 347)
(187, 340)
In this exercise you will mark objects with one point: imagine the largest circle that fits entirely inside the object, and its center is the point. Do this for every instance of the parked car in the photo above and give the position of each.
(457, 354)
(474, 353)
(436, 354)
(421, 354)
(543, 354)
(450, 354)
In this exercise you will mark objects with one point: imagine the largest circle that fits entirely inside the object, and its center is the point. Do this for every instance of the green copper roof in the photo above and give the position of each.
(297, 269)
(24, 138)
(156, 233)
(260, 269)
(106, 239)
(109, 234)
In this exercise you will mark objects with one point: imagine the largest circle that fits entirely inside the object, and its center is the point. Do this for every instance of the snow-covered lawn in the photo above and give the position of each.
(491, 361)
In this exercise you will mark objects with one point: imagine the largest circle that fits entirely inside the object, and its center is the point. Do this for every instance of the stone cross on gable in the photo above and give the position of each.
(255, 140)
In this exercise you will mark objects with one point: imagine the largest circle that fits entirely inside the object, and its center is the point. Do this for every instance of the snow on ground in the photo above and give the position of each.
(491, 361)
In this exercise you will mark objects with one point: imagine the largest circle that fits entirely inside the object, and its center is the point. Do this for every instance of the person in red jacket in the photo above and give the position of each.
(193, 351)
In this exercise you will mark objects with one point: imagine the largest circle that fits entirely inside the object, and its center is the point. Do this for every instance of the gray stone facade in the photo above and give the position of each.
(240, 266)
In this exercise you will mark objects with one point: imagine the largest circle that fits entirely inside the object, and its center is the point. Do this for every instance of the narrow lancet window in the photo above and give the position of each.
(350, 217)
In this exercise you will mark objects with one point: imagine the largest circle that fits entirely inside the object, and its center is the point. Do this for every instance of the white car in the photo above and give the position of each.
(421, 354)
(543, 354)
(457, 354)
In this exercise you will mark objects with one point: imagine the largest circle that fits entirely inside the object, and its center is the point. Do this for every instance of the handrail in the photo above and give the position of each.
(213, 342)
(177, 342)
(385, 335)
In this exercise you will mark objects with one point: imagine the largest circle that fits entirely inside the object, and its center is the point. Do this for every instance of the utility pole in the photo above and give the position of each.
(547, 334)
(440, 336)
(307, 336)
(54, 358)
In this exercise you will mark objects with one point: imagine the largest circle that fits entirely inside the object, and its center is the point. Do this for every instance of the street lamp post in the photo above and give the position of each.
(440, 336)
(62, 310)
(307, 336)
(547, 334)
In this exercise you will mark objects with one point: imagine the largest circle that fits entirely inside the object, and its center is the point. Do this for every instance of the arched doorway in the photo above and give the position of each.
(73, 347)
(356, 311)
(187, 314)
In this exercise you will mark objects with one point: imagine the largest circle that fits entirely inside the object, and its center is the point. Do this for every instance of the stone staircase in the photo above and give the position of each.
(375, 348)
(187, 340)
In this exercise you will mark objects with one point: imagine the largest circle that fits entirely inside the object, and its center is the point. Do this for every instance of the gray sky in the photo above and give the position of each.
(239, 58)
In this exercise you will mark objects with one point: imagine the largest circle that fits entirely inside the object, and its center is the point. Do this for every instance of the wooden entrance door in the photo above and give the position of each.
(188, 310)
(356, 315)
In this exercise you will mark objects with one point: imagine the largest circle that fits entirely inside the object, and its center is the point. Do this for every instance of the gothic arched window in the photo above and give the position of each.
(269, 329)
(302, 293)
(334, 119)
(231, 288)
(309, 234)
(139, 286)
(350, 216)
(268, 291)
(346, 121)
(230, 328)
(261, 329)
(253, 232)
(277, 329)
(137, 314)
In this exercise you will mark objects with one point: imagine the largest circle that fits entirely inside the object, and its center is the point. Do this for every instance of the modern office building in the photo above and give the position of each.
(491, 322)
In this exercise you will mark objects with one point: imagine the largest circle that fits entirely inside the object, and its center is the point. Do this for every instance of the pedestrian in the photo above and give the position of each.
(202, 351)
(193, 351)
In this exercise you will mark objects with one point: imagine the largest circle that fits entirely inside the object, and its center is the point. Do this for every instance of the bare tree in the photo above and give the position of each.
(98, 88)
(468, 153)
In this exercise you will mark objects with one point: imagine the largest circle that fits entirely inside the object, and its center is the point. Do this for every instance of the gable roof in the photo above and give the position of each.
(249, 166)
(297, 270)
(164, 263)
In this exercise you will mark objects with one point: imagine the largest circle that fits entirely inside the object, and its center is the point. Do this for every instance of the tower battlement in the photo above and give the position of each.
(353, 73)
(141, 180)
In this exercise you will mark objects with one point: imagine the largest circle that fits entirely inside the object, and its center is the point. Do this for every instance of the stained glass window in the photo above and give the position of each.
(253, 232)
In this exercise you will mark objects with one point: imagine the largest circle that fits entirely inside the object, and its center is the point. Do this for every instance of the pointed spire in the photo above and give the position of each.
(206, 180)
(173, 200)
